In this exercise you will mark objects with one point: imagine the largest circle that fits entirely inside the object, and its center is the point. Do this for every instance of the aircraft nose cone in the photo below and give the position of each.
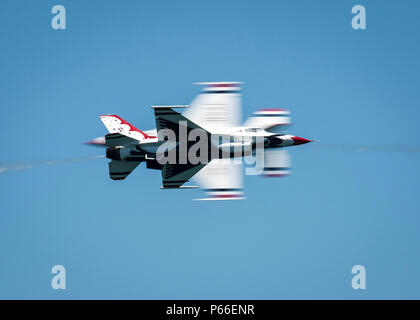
(299, 140)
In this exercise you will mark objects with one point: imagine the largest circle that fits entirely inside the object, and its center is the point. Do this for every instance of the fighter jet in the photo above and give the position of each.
(206, 142)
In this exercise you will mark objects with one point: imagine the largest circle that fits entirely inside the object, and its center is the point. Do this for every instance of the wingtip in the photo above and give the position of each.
(219, 83)
(220, 199)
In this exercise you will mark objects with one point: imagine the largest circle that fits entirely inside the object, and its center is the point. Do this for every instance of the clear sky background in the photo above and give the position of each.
(292, 238)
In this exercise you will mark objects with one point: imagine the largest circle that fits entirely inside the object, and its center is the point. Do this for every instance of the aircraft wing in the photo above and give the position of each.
(219, 105)
(167, 118)
(269, 119)
(174, 175)
(221, 179)
(277, 163)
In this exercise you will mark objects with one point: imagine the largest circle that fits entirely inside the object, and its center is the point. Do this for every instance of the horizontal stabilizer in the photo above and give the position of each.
(119, 170)
(175, 175)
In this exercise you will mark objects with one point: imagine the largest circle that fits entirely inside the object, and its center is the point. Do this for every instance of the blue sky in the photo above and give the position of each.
(294, 238)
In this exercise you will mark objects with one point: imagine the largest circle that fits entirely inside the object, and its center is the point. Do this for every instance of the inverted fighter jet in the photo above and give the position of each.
(206, 142)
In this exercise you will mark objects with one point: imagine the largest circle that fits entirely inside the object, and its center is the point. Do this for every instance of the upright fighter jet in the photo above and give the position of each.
(204, 142)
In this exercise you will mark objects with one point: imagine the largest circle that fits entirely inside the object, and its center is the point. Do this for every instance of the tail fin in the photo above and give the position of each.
(115, 124)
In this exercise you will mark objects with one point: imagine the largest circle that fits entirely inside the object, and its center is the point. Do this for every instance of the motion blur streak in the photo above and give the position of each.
(28, 165)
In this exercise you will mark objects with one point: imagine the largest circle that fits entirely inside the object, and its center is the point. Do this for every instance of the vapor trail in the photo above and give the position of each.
(16, 166)
(29, 165)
